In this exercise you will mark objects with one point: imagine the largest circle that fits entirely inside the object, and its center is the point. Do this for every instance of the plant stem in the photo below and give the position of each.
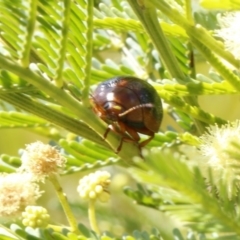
(92, 216)
(63, 44)
(57, 228)
(194, 111)
(147, 16)
(63, 200)
(188, 9)
(88, 57)
(32, 14)
(215, 62)
(53, 116)
(189, 16)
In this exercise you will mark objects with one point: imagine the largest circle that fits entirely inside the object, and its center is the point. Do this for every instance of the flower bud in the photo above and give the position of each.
(94, 186)
(35, 217)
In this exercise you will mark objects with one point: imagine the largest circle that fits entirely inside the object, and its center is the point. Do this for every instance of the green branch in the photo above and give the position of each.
(193, 111)
(128, 151)
(125, 25)
(148, 17)
(150, 22)
(196, 88)
(227, 74)
(88, 57)
(52, 116)
(196, 32)
(188, 9)
(65, 205)
(63, 43)
(29, 33)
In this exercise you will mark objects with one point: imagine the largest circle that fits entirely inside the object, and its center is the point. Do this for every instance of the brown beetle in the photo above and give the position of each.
(130, 106)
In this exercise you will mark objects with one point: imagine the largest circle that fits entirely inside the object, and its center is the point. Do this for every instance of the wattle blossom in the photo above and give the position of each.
(17, 191)
(229, 32)
(95, 186)
(41, 161)
(217, 149)
(35, 217)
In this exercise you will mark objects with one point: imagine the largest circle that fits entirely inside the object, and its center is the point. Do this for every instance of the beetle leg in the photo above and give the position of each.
(111, 127)
(133, 134)
(120, 145)
(122, 128)
(134, 137)
(145, 142)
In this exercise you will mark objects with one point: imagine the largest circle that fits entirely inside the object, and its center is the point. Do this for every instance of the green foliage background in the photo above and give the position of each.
(53, 53)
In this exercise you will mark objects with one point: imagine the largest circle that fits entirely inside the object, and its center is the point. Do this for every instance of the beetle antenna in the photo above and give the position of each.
(147, 105)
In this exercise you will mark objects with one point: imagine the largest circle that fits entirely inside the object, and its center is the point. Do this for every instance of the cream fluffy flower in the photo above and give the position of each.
(217, 143)
(216, 146)
(41, 160)
(229, 32)
(17, 191)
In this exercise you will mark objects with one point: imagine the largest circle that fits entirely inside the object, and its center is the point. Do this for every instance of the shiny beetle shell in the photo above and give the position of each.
(130, 106)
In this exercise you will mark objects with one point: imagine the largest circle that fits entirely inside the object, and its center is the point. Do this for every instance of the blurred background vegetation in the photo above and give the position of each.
(76, 46)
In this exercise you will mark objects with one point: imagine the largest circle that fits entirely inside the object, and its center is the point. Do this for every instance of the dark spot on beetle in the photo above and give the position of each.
(106, 106)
